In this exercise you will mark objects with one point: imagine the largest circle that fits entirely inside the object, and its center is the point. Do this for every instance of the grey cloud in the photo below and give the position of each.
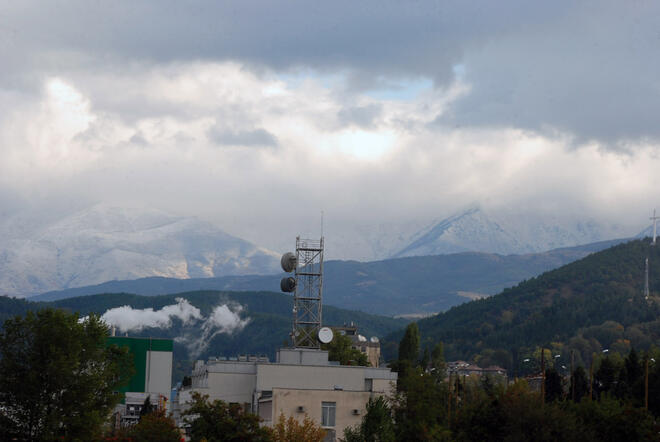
(256, 137)
(586, 68)
(597, 82)
(363, 116)
(138, 139)
(374, 38)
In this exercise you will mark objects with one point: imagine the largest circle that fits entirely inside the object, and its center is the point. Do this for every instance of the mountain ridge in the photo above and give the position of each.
(419, 284)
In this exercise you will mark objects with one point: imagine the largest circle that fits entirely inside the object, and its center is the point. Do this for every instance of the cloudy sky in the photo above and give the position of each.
(257, 115)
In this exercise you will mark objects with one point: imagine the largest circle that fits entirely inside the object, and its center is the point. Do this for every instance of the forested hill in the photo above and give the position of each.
(592, 304)
(266, 319)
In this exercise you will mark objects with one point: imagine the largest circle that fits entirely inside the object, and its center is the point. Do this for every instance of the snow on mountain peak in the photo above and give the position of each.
(104, 242)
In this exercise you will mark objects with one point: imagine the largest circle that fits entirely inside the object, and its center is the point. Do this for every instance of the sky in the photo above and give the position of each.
(258, 115)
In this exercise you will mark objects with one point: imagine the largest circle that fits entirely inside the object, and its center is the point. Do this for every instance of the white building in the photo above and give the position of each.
(301, 382)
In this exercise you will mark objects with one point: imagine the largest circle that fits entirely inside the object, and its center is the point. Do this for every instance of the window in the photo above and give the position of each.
(328, 414)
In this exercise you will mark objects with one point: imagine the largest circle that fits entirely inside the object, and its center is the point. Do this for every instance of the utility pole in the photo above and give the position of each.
(646, 280)
(646, 383)
(573, 375)
(542, 376)
(591, 377)
(449, 401)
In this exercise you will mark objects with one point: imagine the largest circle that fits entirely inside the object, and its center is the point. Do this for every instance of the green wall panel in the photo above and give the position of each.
(139, 348)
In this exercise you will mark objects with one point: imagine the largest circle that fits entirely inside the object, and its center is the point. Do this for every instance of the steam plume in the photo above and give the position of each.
(127, 318)
(223, 319)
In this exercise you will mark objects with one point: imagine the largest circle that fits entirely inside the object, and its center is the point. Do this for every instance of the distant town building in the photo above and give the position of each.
(370, 347)
(152, 360)
(301, 382)
(462, 368)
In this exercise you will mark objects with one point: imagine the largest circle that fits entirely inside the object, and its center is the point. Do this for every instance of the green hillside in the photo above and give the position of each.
(590, 305)
(268, 328)
(14, 306)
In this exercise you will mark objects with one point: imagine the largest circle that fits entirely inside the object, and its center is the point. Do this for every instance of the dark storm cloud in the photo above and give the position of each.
(588, 69)
(373, 37)
(593, 75)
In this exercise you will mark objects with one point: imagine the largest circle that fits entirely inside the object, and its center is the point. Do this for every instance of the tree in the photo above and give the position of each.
(420, 408)
(438, 366)
(409, 346)
(58, 379)
(579, 384)
(155, 427)
(554, 389)
(606, 376)
(341, 349)
(377, 424)
(292, 430)
(219, 421)
(147, 407)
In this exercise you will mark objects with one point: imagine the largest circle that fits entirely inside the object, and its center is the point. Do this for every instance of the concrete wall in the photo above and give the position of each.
(158, 372)
(383, 386)
(302, 356)
(287, 401)
(231, 387)
(309, 377)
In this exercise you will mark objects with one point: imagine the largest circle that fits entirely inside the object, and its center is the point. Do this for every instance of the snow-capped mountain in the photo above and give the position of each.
(475, 229)
(105, 243)
(507, 233)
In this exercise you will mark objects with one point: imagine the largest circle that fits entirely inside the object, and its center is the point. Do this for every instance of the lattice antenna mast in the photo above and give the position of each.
(307, 288)
(646, 280)
(308, 297)
(655, 223)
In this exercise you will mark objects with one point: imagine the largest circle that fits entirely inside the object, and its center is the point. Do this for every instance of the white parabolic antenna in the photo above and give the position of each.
(325, 335)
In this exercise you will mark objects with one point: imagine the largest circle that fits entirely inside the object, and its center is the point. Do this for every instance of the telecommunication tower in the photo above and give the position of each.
(307, 287)
(655, 223)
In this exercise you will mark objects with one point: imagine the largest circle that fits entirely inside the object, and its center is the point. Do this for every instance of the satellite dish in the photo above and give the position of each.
(325, 335)
(374, 340)
(288, 262)
(288, 284)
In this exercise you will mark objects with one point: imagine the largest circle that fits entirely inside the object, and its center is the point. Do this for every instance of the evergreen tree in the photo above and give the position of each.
(605, 377)
(438, 366)
(554, 390)
(579, 386)
(420, 410)
(377, 424)
(147, 407)
(409, 346)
